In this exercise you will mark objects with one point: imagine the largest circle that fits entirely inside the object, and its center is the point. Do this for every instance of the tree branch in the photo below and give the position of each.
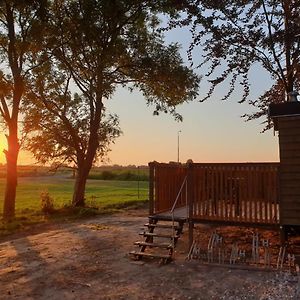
(269, 25)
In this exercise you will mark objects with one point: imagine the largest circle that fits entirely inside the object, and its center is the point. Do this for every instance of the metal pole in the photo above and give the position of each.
(178, 145)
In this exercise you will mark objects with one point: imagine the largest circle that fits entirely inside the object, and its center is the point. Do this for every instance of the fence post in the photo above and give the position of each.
(151, 188)
(190, 197)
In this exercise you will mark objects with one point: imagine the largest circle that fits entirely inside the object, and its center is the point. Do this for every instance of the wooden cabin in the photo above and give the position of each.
(286, 118)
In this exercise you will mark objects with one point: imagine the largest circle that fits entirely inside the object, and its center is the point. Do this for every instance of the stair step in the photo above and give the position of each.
(159, 235)
(163, 256)
(176, 227)
(156, 245)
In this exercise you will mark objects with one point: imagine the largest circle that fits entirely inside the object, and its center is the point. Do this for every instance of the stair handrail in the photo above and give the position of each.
(177, 197)
(172, 213)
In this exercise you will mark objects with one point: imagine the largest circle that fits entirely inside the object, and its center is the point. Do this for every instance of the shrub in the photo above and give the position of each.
(108, 175)
(47, 203)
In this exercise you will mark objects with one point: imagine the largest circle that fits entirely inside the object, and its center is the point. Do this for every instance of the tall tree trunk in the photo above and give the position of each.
(84, 167)
(80, 183)
(85, 164)
(11, 174)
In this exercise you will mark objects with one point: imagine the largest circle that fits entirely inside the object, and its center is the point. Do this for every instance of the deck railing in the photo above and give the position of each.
(165, 183)
(232, 192)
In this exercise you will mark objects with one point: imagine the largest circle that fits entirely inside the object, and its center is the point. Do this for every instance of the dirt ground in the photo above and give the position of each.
(89, 260)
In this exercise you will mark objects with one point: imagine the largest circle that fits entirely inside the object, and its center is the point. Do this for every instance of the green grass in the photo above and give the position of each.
(101, 195)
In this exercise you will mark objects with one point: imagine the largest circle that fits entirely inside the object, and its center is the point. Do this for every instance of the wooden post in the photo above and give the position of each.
(191, 233)
(190, 197)
(283, 235)
(151, 188)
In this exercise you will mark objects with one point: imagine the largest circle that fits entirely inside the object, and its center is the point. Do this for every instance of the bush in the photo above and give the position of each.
(47, 203)
(127, 175)
(108, 175)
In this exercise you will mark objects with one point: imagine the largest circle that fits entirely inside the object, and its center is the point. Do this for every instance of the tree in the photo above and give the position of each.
(18, 25)
(96, 45)
(237, 35)
(55, 118)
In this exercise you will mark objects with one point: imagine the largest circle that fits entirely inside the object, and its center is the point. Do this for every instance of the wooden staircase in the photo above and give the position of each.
(159, 239)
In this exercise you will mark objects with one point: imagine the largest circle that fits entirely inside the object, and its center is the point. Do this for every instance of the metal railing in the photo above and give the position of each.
(184, 183)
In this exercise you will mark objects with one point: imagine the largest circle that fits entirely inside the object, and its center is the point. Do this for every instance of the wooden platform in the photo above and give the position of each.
(180, 214)
(233, 193)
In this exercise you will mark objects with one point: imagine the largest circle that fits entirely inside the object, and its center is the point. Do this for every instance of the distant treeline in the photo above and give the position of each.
(28, 171)
(128, 173)
(125, 174)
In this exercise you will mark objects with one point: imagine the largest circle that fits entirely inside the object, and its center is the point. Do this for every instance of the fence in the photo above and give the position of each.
(230, 192)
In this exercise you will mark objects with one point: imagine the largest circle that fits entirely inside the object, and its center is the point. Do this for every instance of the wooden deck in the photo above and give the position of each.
(180, 215)
(242, 193)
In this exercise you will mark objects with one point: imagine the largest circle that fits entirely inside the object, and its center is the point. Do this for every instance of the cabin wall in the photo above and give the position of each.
(289, 142)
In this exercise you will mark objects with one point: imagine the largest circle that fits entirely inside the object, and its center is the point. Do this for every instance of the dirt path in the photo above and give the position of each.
(88, 260)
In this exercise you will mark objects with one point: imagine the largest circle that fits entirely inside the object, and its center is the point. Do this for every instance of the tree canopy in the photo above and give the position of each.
(234, 36)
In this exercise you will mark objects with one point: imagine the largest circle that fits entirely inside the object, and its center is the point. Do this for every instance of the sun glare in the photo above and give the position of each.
(2, 147)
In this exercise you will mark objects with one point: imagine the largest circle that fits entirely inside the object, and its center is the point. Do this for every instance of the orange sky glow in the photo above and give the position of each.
(212, 131)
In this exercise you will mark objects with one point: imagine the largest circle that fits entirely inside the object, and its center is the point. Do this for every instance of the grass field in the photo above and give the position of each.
(99, 193)
(104, 195)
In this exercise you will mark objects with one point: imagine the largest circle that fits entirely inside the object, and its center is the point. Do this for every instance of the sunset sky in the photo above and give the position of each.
(210, 132)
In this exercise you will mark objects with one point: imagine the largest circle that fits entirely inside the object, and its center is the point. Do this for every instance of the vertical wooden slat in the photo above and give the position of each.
(254, 193)
(226, 175)
(254, 189)
(202, 172)
(221, 187)
(240, 194)
(205, 184)
(213, 193)
(249, 198)
(274, 196)
(257, 194)
(208, 192)
(261, 191)
(151, 188)
(199, 190)
(200, 178)
(162, 189)
(230, 193)
(265, 194)
(242, 201)
(190, 183)
(246, 195)
(270, 194)
(218, 196)
(157, 200)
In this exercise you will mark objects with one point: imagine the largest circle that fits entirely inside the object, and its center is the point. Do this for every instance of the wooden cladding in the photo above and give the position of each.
(289, 142)
(245, 193)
